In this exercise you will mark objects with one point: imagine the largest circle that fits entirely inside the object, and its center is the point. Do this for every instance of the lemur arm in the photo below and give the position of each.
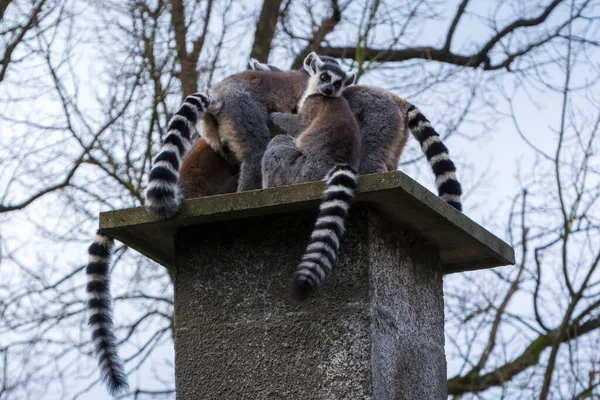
(285, 164)
(292, 124)
(281, 153)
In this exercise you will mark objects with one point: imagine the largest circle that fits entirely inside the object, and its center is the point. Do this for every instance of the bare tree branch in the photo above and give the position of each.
(425, 53)
(480, 58)
(3, 6)
(188, 62)
(265, 30)
(10, 48)
(528, 358)
(455, 21)
(327, 26)
(520, 23)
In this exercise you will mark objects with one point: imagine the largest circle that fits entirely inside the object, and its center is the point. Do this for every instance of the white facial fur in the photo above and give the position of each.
(323, 79)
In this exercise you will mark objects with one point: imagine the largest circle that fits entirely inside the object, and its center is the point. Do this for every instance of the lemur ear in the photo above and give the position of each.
(256, 65)
(308, 60)
(329, 59)
(312, 62)
(349, 79)
(253, 64)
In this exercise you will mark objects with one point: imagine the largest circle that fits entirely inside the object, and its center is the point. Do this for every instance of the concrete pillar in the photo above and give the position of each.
(375, 331)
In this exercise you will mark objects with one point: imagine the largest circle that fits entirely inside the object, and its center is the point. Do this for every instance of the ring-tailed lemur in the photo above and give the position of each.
(236, 113)
(203, 172)
(238, 106)
(328, 147)
(383, 119)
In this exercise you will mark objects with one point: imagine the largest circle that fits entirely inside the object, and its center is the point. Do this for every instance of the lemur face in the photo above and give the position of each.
(327, 78)
(330, 83)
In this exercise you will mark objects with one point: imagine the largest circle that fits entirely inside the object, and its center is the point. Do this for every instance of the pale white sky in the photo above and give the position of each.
(498, 152)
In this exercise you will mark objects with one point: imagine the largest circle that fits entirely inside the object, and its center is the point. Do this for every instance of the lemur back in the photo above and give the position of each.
(241, 104)
(204, 172)
(327, 148)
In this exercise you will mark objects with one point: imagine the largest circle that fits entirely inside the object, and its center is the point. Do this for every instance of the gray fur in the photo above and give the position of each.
(284, 163)
(384, 120)
(376, 111)
(245, 101)
(281, 153)
(284, 123)
(329, 60)
(380, 124)
(249, 131)
(235, 114)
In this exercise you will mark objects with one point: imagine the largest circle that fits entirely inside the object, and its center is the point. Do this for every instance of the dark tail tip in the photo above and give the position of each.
(455, 204)
(117, 384)
(301, 289)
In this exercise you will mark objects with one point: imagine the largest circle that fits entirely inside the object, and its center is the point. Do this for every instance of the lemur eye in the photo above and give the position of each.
(337, 84)
(324, 77)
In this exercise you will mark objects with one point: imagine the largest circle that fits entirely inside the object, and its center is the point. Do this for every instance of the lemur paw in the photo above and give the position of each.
(273, 115)
(163, 199)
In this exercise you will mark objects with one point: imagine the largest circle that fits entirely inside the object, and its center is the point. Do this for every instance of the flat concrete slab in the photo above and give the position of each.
(463, 244)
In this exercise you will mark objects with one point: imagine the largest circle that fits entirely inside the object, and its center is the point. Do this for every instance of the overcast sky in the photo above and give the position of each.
(489, 157)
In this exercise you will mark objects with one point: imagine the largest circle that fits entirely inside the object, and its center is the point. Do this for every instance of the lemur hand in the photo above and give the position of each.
(292, 124)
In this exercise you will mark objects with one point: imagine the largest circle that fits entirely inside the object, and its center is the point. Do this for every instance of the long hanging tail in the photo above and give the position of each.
(449, 188)
(163, 195)
(100, 310)
(321, 253)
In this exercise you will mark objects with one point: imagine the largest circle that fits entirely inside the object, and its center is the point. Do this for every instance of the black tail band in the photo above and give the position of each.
(321, 253)
(100, 314)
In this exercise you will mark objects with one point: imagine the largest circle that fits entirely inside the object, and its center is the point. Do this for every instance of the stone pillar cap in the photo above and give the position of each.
(463, 244)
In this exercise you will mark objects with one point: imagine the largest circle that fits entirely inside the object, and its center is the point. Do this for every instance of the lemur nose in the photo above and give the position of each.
(225, 147)
(328, 91)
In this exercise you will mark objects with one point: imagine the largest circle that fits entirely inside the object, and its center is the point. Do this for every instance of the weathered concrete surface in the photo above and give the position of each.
(462, 244)
(407, 315)
(374, 332)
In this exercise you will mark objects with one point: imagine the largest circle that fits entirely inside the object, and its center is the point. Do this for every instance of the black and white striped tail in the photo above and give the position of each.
(163, 195)
(449, 188)
(321, 253)
(100, 310)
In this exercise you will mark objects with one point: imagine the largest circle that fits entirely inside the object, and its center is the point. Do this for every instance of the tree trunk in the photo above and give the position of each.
(265, 30)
